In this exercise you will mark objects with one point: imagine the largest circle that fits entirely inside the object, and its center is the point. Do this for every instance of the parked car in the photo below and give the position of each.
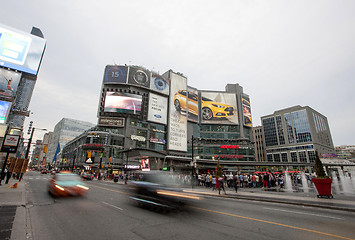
(65, 184)
(87, 176)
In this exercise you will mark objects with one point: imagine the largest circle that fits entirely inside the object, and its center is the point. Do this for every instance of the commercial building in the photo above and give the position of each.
(64, 131)
(259, 144)
(147, 120)
(20, 59)
(345, 151)
(294, 135)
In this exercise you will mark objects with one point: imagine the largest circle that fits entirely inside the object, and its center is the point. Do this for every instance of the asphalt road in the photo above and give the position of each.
(107, 213)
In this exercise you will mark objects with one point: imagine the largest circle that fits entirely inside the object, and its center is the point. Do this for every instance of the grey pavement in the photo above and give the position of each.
(17, 197)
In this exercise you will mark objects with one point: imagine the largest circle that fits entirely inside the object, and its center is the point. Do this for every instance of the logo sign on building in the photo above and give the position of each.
(247, 121)
(111, 122)
(157, 108)
(139, 76)
(138, 138)
(115, 74)
(20, 51)
(177, 139)
(219, 108)
(10, 143)
(9, 81)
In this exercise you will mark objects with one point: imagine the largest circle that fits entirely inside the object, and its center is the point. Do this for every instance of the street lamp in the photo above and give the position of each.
(30, 140)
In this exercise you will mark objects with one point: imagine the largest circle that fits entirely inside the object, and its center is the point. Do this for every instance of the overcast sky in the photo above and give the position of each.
(283, 53)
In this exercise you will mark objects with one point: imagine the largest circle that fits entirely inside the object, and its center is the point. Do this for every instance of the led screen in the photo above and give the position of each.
(246, 111)
(115, 74)
(20, 51)
(159, 83)
(117, 102)
(9, 81)
(192, 102)
(139, 76)
(219, 108)
(4, 110)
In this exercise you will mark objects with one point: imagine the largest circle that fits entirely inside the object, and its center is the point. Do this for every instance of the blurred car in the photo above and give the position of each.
(210, 109)
(65, 184)
(44, 171)
(87, 176)
(160, 190)
(53, 172)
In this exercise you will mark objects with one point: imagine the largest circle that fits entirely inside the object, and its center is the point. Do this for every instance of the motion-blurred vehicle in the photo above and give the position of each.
(65, 184)
(44, 171)
(160, 190)
(210, 109)
(87, 176)
(53, 172)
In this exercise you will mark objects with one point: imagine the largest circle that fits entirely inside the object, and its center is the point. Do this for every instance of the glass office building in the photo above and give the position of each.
(294, 134)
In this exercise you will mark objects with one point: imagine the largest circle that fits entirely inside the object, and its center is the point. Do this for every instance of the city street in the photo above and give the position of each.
(107, 213)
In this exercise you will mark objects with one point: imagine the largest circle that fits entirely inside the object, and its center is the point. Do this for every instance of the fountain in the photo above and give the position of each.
(345, 182)
(288, 181)
(304, 182)
(335, 182)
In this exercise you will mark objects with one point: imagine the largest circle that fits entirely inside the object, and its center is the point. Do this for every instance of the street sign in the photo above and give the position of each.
(10, 143)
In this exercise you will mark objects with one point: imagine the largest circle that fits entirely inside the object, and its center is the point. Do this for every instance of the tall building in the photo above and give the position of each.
(64, 131)
(259, 144)
(162, 121)
(294, 134)
(345, 151)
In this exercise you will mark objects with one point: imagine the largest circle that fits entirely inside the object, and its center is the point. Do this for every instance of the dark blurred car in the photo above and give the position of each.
(87, 176)
(65, 184)
(44, 171)
(160, 190)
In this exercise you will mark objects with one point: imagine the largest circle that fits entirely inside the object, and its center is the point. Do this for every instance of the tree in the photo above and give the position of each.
(219, 170)
(318, 167)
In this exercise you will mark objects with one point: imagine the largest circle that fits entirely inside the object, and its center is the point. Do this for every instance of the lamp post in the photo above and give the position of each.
(30, 140)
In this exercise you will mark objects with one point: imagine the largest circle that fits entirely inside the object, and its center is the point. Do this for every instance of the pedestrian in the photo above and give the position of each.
(221, 185)
(236, 182)
(8, 176)
(213, 183)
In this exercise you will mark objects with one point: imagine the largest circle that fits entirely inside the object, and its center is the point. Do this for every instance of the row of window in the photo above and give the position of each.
(302, 157)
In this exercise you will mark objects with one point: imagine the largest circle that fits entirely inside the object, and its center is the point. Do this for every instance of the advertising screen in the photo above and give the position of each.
(9, 81)
(117, 102)
(115, 74)
(219, 108)
(4, 110)
(139, 76)
(20, 51)
(160, 84)
(157, 109)
(177, 113)
(247, 120)
(192, 102)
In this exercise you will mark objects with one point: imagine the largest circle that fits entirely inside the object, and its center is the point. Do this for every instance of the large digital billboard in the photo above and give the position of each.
(139, 76)
(157, 108)
(177, 117)
(247, 120)
(219, 108)
(115, 74)
(192, 102)
(160, 84)
(118, 102)
(9, 81)
(4, 110)
(20, 51)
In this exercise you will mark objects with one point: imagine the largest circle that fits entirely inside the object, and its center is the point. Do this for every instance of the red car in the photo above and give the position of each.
(65, 184)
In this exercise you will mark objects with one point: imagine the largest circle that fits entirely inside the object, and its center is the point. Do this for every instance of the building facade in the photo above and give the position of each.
(64, 131)
(259, 144)
(295, 134)
(150, 120)
(345, 151)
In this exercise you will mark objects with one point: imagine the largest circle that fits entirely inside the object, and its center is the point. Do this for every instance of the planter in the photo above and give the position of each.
(323, 186)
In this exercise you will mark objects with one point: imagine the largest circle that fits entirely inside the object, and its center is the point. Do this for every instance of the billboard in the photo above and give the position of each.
(219, 108)
(4, 110)
(115, 74)
(157, 108)
(117, 102)
(9, 81)
(160, 84)
(20, 51)
(139, 76)
(192, 103)
(247, 120)
(177, 139)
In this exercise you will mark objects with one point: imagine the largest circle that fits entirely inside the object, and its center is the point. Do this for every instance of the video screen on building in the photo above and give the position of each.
(115, 74)
(219, 108)
(118, 102)
(9, 81)
(246, 111)
(160, 84)
(139, 76)
(192, 102)
(4, 110)
(20, 51)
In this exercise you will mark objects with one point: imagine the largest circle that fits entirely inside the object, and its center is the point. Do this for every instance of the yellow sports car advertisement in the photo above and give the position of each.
(218, 108)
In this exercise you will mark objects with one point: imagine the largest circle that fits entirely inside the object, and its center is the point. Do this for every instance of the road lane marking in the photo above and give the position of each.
(109, 189)
(311, 214)
(274, 223)
(113, 206)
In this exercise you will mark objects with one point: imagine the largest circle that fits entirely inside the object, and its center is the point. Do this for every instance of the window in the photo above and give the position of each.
(284, 157)
(294, 156)
(270, 131)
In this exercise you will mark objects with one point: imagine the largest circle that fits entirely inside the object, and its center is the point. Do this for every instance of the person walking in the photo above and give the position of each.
(235, 183)
(221, 185)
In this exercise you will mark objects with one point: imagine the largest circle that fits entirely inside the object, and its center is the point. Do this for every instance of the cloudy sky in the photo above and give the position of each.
(283, 53)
